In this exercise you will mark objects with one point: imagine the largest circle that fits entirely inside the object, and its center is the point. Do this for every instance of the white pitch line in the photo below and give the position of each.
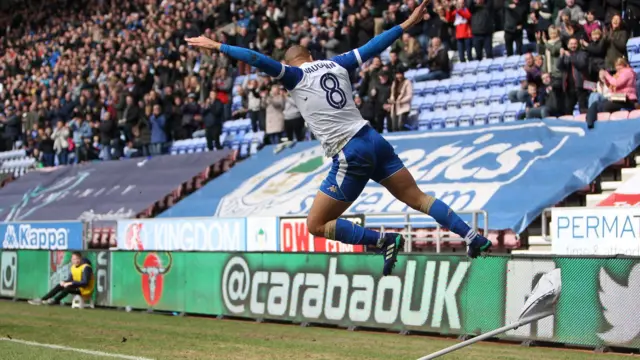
(67, 348)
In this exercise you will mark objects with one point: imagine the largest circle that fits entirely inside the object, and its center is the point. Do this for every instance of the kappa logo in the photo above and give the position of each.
(153, 271)
(620, 306)
(132, 237)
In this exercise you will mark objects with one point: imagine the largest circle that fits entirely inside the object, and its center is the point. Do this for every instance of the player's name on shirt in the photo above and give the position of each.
(319, 65)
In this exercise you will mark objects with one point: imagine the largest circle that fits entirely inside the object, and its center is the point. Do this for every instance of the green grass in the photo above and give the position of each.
(172, 337)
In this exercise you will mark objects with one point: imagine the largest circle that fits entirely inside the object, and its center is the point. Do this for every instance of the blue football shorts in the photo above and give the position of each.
(366, 156)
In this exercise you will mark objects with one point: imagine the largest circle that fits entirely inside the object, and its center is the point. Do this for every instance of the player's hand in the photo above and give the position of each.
(203, 42)
(416, 16)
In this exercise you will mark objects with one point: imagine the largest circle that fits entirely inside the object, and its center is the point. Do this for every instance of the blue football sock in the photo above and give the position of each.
(350, 233)
(448, 218)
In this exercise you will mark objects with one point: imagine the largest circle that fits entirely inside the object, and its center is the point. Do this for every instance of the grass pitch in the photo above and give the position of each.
(172, 337)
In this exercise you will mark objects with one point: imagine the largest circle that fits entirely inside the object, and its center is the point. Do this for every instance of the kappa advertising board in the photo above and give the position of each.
(190, 234)
(513, 171)
(596, 231)
(295, 237)
(42, 235)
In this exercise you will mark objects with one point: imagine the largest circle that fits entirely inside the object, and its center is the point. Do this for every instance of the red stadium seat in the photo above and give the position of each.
(635, 114)
(566, 117)
(580, 117)
(604, 116)
(619, 115)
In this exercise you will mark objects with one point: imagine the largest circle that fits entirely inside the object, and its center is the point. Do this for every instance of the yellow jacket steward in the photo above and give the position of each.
(81, 277)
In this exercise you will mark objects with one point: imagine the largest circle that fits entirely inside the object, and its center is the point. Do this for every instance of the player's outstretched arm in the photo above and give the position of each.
(353, 59)
(289, 76)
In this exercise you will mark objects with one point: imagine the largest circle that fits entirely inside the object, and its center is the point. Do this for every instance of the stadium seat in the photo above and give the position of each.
(483, 81)
(496, 96)
(481, 115)
(483, 66)
(455, 85)
(497, 64)
(580, 117)
(566, 117)
(635, 114)
(458, 69)
(443, 86)
(421, 72)
(512, 111)
(466, 117)
(454, 102)
(430, 87)
(441, 102)
(416, 102)
(469, 82)
(419, 88)
(470, 68)
(410, 74)
(619, 115)
(634, 59)
(451, 118)
(633, 45)
(424, 121)
(498, 79)
(468, 99)
(496, 114)
(437, 120)
(511, 62)
(428, 102)
(604, 116)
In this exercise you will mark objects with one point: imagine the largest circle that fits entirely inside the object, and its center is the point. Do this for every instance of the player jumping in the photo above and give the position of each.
(322, 91)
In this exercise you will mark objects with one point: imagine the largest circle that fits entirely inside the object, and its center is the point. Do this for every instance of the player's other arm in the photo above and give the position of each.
(288, 75)
(353, 59)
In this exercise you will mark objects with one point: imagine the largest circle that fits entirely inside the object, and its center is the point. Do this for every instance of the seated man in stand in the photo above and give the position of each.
(80, 282)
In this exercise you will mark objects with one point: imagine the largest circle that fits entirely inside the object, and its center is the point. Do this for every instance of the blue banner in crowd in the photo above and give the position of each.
(42, 235)
(513, 171)
(193, 234)
(99, 190)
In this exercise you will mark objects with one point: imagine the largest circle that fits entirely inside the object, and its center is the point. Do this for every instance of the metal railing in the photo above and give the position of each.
(420, 220)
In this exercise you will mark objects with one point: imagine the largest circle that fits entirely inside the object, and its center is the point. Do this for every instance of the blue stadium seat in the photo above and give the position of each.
(453, 102)
(482, 97)
(496, 113)
(468, 99)
(512, 111)
(521, 61)
(471, 67)
(443, 86)
(496, 96)
(469, 82)
(633, 45)
(481, 115)
(497, 64)
(458, 69)
(498, 79)
(421, 72)
(483, 81)
(441, 102)
(451, 118)
(238, 80)
(437, 120)
(416, 102)
(466, 117)
(410, 74)
(427, 104)
(430, 87)
(256, 141)
(634, 59)
(424, 121)
(511, 62)
(483, 66)
(455, 85)
(419, 88)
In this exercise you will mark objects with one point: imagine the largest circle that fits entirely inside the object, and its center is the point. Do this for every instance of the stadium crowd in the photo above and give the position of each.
(87, 80)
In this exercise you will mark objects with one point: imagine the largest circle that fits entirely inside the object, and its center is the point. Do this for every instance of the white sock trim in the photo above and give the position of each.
(470, 236)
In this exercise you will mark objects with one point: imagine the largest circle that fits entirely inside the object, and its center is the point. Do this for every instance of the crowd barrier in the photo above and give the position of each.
(443, 294)
(208, 234)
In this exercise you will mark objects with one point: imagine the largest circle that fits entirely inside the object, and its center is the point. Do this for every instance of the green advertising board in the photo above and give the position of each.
(446, 294)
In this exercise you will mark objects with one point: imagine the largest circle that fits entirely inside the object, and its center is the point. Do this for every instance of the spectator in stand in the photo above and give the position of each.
(400, 100)
(293, 121)
(572, 10)
(60, 138)
(365, 107)
(549, 46)
(46, 148)
(515, 17)
(81, 130)
(108, 137)
(534, 74)
(380, 94)
(158, 130)
(274, 121)
(437, 62)
(616, 38)
(623, 91)
(482, 27)
(591, 23)
(535, 104)
(574, 66)
(460, 17)
(254, 102)
(212, 119)
(596, 49)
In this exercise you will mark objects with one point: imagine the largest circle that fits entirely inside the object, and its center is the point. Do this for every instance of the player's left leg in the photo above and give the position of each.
(403, 187)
